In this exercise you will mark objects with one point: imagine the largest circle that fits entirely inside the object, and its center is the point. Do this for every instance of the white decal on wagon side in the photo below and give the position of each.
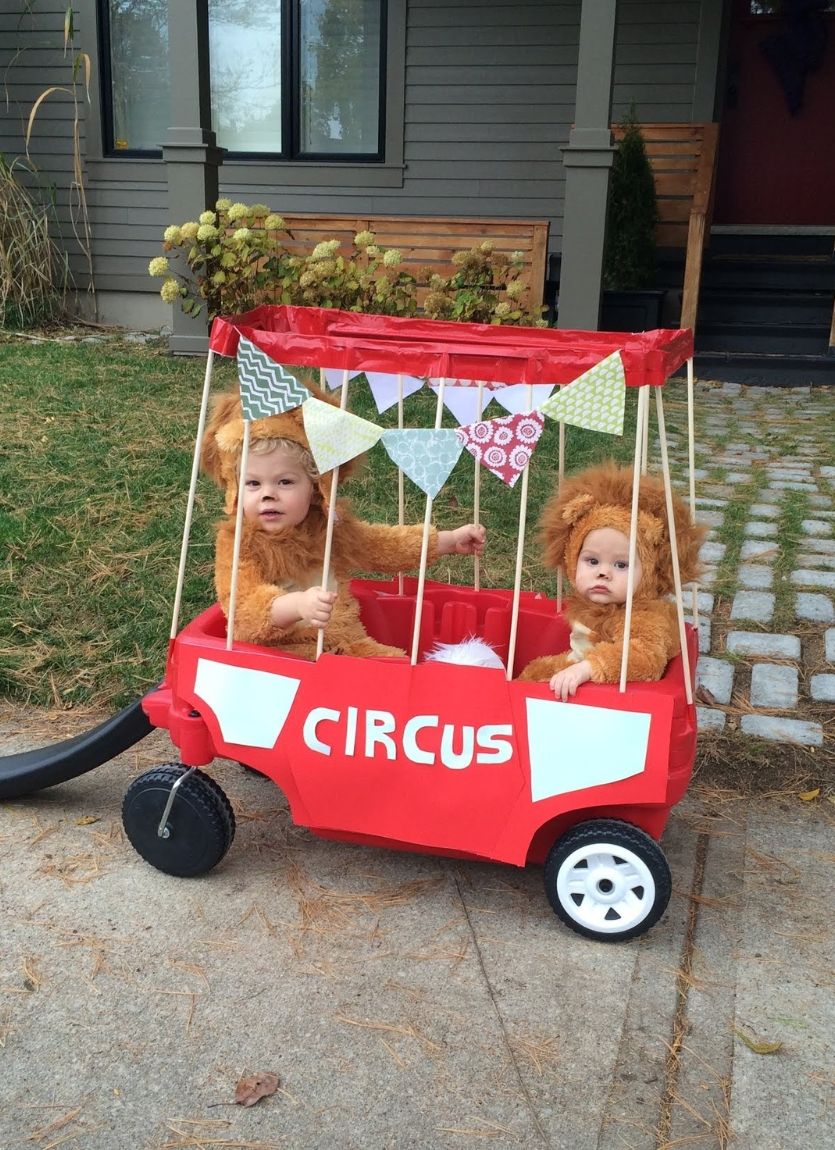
(251, 706)
(572, 747)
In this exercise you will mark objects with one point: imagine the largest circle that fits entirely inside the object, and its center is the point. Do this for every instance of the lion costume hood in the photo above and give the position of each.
(602, 497)
(223, 439)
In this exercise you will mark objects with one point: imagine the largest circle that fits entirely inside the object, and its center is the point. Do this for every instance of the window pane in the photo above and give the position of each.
(245, 54)
(339, 58)
(139, 71)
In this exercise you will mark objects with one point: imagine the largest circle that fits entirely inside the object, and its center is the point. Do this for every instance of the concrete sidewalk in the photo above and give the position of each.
(405, 1001)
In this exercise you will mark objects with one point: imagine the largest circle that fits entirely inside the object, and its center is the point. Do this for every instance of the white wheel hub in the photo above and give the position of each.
(605, 888)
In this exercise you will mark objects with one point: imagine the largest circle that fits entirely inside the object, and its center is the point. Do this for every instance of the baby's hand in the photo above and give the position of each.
(315, 606)
(565, 682)
(466, 540)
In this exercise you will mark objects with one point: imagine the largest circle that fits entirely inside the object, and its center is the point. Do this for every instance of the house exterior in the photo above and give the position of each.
(401, 107)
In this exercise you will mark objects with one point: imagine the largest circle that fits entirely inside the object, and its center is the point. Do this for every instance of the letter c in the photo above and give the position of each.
(315, 717)
(410, 748)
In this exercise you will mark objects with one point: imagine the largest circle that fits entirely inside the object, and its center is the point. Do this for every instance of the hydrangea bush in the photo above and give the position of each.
(238, 256)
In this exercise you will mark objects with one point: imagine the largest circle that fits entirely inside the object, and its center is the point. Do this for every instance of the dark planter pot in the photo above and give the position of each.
(631, 310)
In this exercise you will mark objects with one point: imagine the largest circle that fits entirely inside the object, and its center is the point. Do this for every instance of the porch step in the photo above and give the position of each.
(766, 370)
(767, 306)
(755, 272)
(765, 309)
(758, 336)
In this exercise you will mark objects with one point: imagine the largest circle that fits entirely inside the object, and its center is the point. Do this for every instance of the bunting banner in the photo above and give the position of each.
(335, 436)
(385, 388)
(426, 454)
(335, 375)
(462, 400)
(266, 387)
(514, 397)
(594, 400)
(504, 445)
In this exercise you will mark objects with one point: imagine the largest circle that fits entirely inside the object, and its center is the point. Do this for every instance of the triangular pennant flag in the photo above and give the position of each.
(514, 398)
(462, 401)
(335, 375)
(595, 400)
(426, 454)
(385, 388)
(266, 387)
(504, 445)
(335, 436)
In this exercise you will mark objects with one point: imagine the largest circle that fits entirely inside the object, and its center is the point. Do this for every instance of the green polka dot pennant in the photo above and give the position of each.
(595, 400)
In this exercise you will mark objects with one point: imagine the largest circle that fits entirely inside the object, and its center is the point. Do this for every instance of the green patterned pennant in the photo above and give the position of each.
(595, 400)
(334, 435)
(266, 387)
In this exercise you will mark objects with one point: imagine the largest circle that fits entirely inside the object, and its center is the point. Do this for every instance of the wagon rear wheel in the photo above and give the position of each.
(607, 880)
(199, 828)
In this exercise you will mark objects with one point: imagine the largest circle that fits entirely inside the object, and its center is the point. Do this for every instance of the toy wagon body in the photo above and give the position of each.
(428, 756)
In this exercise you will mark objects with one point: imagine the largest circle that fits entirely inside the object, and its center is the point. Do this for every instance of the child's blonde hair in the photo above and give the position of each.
(290, 447)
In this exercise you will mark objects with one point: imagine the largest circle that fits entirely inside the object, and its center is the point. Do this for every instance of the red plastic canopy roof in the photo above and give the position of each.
(326, 337)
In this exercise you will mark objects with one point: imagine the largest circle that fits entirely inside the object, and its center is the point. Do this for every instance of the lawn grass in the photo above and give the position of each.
(96, 444)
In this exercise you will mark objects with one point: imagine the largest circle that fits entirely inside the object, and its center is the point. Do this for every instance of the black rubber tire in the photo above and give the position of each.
(612, 836)
(201, 822)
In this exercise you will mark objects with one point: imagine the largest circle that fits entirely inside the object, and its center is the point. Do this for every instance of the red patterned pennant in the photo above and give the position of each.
(504, 445)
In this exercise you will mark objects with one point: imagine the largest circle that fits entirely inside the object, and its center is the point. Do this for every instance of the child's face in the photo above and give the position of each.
(603, 565)
(278, 490)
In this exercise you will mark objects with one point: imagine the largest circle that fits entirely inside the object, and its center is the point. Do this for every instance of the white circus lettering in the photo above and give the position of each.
(423, 739)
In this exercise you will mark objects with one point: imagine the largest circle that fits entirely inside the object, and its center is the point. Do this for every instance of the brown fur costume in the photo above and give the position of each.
(602, 497)
(291, 560)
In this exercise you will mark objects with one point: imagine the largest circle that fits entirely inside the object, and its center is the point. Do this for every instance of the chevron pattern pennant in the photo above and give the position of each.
(426, 454)
(335, 436)
(594, 400)
(504, 445)
(266, 387)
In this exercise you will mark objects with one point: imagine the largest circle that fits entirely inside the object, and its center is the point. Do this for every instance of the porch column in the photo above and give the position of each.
(587, 160)
(190, 151)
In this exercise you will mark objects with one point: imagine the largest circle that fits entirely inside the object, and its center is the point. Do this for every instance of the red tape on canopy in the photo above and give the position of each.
(326, 337)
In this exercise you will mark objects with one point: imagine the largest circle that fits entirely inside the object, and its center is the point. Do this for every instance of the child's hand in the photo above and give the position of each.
(315, 606)
(565, 682)
(466, 540)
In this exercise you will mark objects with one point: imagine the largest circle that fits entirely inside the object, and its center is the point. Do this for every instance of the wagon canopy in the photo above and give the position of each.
(325, 337)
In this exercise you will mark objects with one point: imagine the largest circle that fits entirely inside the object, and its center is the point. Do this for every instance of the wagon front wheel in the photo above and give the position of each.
(607, 880)
(198, 829)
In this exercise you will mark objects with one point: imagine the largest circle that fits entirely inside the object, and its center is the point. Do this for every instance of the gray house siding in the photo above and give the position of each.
(487, 93)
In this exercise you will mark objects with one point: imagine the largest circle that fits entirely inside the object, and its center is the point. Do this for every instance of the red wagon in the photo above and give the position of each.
(425, 756)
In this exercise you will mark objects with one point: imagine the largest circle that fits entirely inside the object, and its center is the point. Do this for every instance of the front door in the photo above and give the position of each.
(777, 139)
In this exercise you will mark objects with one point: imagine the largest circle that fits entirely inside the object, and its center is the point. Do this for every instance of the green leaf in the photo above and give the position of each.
(758, 1045)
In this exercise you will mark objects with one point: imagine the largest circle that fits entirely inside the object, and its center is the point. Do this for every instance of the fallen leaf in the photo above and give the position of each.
(705, 696)
(807, 796)
(759, 1046)
(254, 1087)
(85, 820)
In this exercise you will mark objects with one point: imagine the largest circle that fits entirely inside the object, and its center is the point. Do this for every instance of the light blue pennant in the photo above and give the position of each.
(426, 454)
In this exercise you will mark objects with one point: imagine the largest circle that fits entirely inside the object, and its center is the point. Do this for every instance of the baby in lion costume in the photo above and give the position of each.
(585, 532)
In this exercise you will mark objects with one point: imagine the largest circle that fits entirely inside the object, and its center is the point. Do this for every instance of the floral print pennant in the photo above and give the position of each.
(504, 445)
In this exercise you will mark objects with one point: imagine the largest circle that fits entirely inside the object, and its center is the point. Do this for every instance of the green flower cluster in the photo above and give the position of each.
(237, 256)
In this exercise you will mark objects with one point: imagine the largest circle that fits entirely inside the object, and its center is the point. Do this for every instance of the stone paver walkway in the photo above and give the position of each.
(765, 488)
